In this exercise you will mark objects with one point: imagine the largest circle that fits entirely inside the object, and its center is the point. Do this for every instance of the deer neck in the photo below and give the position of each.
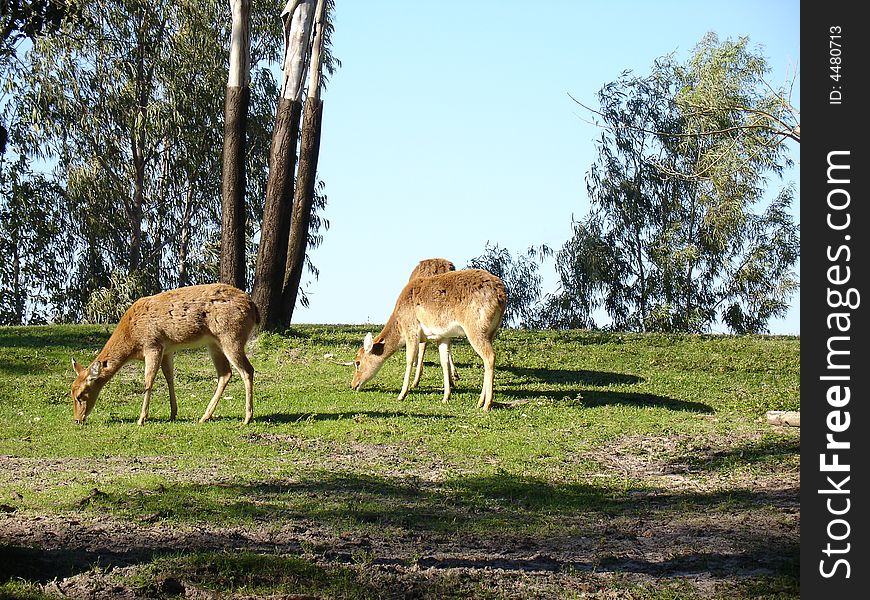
(119, 349)
(391, 336)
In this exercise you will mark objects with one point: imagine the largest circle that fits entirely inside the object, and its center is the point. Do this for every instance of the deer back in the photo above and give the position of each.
(472, 298)
(188, 314)
(431, 266)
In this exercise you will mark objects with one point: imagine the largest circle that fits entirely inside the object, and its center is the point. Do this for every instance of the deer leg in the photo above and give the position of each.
(444, 354)
(222, 366)
(454, 374)
(153, 359)
(483, 346)
(235, 352)
(411, 350)
(419, 369)
(167, 365)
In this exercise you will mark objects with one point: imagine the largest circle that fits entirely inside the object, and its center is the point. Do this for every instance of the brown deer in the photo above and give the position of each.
(470, 302)
(215, 315)
(427, 268)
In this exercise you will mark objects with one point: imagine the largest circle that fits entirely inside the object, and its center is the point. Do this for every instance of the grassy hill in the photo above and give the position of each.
(615, 465)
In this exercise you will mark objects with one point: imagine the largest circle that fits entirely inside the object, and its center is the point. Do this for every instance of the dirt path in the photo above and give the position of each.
(60, 552)
(706, 531)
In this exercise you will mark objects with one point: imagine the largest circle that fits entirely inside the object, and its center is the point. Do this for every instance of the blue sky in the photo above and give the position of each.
(447, 121)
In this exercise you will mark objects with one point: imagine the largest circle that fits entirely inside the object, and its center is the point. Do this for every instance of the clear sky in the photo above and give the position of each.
(450, 125)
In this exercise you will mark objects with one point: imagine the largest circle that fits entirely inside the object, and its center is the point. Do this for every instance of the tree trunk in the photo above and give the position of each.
(138, 206)
(137, 140)
(232, 261)
(307, 177)
(233, 188)
(302, 203)
(17, 292)
(184, 237)
(275, 231)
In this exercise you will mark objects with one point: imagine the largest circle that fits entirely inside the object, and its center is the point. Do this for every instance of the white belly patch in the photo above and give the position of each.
(452, 330)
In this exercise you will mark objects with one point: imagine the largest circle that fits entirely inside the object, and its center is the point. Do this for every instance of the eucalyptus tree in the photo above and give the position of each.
(292, 198)
(297, 17)
(306, 179)
(34, 255)
(27, 20)
(521, 278)
(33, 251)
(673, 240)
(128, 106)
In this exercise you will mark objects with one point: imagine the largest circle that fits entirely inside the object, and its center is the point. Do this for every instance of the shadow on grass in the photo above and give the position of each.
(591, 399)
(283, 418)
(51, 338)
(750, 453)
(489, 504)
(571, 377)
(338, 416)
(18, 369)
(331, 335)
(488, 512)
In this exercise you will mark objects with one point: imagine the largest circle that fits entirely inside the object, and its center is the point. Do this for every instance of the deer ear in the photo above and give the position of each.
(378, 347)
(368, 343)
(94, 371)
(77, 367)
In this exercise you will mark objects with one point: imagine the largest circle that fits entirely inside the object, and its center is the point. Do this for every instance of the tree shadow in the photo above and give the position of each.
(331, 335)
(20, 369)
(572, 377)
(749, 453)
(590, 399)
(50, 337)
(487, 508)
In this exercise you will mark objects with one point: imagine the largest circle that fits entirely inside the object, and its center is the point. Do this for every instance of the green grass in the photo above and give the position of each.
(602, 424)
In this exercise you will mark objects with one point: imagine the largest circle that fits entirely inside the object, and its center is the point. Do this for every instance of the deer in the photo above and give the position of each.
(218, 316)
(427, 268)
(469, 303)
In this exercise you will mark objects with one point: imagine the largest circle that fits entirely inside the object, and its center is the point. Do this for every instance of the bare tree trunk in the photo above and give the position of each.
(18, 294)
(137, 142)
(138, 206)
(275, 230)
(184, 237)
(307, 176)
(232, 261)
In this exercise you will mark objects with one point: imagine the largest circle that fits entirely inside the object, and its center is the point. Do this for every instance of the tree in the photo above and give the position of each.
(127, 106)
(235, 127)
(32, 244)
(309, 151)
(671, 242)
(291, 198)
(20, 19)
(521, 279)
(275, 230)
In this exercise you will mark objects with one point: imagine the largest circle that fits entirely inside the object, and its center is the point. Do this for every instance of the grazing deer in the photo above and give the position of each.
(469, 302)
(427, 268)
(215, 315)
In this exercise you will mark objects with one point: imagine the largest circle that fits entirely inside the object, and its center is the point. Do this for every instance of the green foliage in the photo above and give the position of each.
(672, 242)
(108, 304)
(34, 256)
(127, 102)
(521, 278)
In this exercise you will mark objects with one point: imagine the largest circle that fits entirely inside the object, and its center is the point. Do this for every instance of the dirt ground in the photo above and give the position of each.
(82, 556)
